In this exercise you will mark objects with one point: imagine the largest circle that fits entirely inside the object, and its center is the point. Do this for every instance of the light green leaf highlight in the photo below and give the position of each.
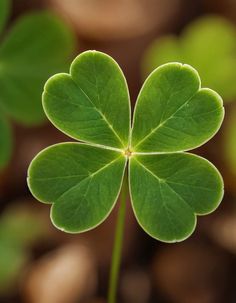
(208, 44)
(37, 46)
(92, 103)
(5, 141)
(4, 13)
(172, 113)
(168, 191)
(81, 181)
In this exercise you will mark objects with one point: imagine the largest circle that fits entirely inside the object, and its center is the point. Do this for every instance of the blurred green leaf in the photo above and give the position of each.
(4, 13)
(11, 263)
(209, 45)
(230, 141)
(19, 228)
(5, 141)
(14, 227)
(37, 46)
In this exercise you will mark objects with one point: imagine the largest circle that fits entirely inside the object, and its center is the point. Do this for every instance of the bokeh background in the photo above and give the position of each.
(39, 264)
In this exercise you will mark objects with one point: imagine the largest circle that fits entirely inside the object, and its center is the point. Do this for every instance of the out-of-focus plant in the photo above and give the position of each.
(209, 45)
(19, 228)
(35, 47)
(169, 187)
(230, 142)
(5, 140)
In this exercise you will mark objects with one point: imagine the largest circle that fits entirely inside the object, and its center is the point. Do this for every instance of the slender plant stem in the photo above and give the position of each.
(117, 248)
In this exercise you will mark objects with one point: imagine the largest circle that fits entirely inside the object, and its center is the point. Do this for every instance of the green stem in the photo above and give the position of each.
(116, 254)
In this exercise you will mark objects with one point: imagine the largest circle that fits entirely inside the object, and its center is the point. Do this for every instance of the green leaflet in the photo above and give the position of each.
(169, 190)
(82, 181)
(94, 99)
(4, 13)
(172, 114)
(37, 46)
(208, 44)
(5, 141)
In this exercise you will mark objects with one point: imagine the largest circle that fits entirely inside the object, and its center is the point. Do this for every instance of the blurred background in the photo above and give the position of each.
(39, 264)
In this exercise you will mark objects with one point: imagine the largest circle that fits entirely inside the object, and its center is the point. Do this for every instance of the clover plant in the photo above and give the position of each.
(209, 45)
(168, 186)
(16, 237)
(34, 48)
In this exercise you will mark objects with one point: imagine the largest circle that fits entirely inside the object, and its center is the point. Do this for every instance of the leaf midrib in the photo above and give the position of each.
(89, 176)
(94, 107)
(160, 124)
(163, 181)
(110, 126)
(75, 137)
(164, 205)
(58, 177)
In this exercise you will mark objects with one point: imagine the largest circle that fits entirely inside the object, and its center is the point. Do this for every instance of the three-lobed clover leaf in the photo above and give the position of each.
(207, 44)
(37, 46)
(168, 187)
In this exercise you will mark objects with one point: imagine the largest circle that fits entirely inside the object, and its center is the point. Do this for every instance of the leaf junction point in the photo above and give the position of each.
(128, 152)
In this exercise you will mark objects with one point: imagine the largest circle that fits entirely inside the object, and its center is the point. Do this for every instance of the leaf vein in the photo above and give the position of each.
(165, 121)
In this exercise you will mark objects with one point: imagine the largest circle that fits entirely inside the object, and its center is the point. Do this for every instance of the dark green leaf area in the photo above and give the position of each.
(12, 261)
(92, 103)
(168, 191)
(172, 112)
(82, 181)
(37, 46)
(5, 141)
(230, 142)
(15, 239)
(4, 12)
